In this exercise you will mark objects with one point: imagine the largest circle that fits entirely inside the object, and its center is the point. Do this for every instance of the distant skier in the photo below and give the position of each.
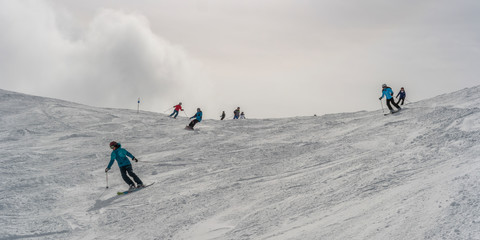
(222, 116)
(175, 111)
(402, 95)
(124, 164)
(198, 118)
(388, 93)
(242, 115)
(236, 113)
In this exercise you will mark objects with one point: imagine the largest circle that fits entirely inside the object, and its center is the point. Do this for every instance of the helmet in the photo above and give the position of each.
(113, 144)
(384, 85)
(180, 103)
(198, 110)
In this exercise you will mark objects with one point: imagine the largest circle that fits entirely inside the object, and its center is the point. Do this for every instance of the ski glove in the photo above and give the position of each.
(380, 99)
(106, 169)
(134, 159)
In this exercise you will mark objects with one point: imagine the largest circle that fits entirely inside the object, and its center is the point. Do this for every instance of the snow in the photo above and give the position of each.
(362, 175)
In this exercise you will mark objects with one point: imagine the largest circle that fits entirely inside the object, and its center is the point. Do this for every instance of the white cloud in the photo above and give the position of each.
(112, 62)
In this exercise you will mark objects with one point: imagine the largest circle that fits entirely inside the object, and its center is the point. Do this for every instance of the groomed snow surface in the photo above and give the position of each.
(362, 175)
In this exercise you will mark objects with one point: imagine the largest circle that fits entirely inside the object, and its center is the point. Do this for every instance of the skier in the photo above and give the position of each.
(198, 118)
(402, 95)
(388, 93)
(242, 115)
(124, 164)
(175, 111)
(236, 113)
(223, 115)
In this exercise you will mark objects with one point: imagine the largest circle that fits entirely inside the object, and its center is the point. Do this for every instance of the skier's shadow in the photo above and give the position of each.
(99, 204)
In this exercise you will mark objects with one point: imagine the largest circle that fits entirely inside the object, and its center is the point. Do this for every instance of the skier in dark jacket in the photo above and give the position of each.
(222, 116)
(236, 113)
(124, 164)
(402, 95)
(388, 93)
(198, 118)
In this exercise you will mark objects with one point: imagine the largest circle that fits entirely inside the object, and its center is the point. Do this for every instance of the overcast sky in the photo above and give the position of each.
(272, 58)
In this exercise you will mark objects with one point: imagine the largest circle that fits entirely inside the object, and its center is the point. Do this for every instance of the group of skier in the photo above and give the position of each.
(198, 116)
(121, 155)
(236, 114)
(388, 93)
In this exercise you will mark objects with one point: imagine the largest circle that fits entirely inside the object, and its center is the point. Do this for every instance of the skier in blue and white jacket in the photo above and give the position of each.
(120, 154)
(388, 93)
(198, 118)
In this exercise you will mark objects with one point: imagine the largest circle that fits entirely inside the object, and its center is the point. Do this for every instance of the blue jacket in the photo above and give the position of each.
(198, 116)
(120, 155)
(402, 94)
(387, 92)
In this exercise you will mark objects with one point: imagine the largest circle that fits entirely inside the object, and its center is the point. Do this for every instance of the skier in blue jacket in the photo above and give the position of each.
(402, 95)
(388, 93)
(124, 164)
(198, 118)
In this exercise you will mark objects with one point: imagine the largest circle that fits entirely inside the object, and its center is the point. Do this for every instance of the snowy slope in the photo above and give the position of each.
(412, 175)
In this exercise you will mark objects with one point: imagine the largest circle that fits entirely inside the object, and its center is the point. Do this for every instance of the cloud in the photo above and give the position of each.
(111, 62)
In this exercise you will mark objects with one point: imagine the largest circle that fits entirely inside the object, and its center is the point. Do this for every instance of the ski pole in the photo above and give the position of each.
(106, 174)
(381, 103)
(167, 109)
(185, 114)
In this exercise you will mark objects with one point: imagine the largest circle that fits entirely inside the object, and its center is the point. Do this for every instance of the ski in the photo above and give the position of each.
(188, 128)
(134, 190)
(392, 112)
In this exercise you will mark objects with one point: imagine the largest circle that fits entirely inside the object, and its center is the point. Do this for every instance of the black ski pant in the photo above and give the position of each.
(401, 100)
(128, 169)
(192, 123)
(391, 101)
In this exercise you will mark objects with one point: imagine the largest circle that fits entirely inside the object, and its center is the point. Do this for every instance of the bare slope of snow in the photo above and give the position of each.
(412, 175)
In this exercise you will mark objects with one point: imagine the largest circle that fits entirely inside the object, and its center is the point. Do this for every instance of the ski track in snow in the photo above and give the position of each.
(362, 175)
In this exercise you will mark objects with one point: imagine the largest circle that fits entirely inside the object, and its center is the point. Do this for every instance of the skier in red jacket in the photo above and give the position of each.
(175, 111)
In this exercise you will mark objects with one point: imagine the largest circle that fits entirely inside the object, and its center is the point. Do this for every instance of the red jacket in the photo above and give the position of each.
(178, 107)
